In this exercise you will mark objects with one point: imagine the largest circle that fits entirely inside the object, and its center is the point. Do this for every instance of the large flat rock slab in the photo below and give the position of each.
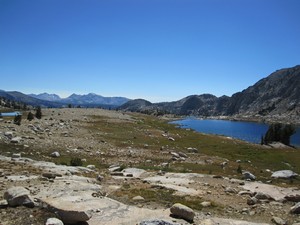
(76, 199)
(218, 221)
(116, 213)
(277, 193)
(70, 209)
(177, 181)
(99, 210)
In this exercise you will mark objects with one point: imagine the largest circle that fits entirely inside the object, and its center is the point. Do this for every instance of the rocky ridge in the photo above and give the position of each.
(274, 98)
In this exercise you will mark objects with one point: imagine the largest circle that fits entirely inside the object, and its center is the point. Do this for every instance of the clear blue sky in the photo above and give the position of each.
(160, 50)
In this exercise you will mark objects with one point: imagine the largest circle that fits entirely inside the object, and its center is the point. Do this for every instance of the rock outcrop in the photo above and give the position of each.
(285, 174)
(54, 221)
(18, 196)
(183, 212)
(296, 209)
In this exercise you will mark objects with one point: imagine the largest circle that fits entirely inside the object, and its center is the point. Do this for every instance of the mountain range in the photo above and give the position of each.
(90, 99)
(53, 100)
(276, 95)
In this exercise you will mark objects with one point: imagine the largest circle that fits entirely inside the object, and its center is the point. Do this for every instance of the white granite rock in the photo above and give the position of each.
(183, 212)
(18, 196)
(54, 221)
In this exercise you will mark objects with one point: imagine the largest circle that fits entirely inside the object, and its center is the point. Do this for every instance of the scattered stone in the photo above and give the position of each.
(263, 196)
(16, 140)
(183, 212)
(296, 209)
(114, 168)
(278, 221)
(193, 150)
(252, 201)
(293, 198)
(18, 196)
(156, 222)
(161, 173)
(3, 204)
(223, 164)
(16, 155)
(181, 154)
(134, 172)
(55, 154)
(248, 176)
(54, 221)
(245, 193)
(100, 177)
(174, 154)
(91, 167)
(205, 204)
(118, 174)
(50, 175)
(8, 134)
(165, 164)
(285, 174)
(171, 139)
(138, 199)
(230, 190)
(251, 213)
(245, 211)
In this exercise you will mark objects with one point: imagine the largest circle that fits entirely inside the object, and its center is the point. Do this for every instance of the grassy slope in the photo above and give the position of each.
(148, 130)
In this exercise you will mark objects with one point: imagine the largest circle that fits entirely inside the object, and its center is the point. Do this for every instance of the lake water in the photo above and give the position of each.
(247, 131)
(10, 114)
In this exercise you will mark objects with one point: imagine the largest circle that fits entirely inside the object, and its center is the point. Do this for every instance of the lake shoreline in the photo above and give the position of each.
(247, 131)
(239, 118)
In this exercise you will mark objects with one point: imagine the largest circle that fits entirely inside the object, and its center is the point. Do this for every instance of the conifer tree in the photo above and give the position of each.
(278, 132)
(38, 113)
(30, 116)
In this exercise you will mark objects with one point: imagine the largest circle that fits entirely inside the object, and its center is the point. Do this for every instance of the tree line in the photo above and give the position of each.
(279, 132)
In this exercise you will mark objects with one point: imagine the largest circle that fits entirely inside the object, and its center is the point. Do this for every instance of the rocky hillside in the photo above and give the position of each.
(15, 96)
(276, 95)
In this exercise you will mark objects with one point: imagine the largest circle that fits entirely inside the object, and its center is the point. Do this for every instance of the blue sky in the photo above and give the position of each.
(160, 50)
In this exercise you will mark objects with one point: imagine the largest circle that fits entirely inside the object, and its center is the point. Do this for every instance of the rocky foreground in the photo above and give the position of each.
(37, 191)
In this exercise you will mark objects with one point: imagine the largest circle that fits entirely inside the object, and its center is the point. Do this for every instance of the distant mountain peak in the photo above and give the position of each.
(47, 97)
(90, 99)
